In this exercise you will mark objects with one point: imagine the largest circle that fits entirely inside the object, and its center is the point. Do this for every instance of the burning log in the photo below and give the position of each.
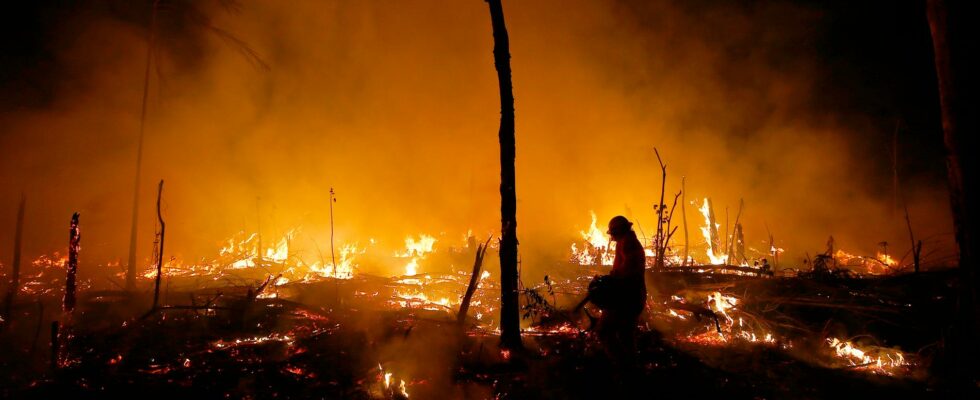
(73, 247)
(464, 306)
(163, 231)
(15, 267)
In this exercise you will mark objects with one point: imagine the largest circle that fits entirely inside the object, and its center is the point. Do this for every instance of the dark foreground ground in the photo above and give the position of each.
(221, 343)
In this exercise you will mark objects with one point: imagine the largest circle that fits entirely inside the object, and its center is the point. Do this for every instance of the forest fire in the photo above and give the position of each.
(771, 212)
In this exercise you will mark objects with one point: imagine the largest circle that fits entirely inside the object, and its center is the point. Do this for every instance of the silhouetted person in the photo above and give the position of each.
(622, 294)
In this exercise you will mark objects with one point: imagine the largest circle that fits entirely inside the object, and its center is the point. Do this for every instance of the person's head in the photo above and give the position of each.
(619, 226)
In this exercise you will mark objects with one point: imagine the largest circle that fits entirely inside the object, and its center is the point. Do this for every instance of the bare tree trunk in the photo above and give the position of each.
(163, 233)
(510, 324)
(131, 267)
(15, 266)
(953, 26)
(73, 246)
(684, 218)
(661, 209)
(333, 260)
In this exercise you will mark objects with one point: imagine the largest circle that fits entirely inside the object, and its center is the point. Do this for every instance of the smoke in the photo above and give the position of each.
(395, 106)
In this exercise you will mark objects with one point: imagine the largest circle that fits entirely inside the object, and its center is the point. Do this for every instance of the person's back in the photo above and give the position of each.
(625, 291)
(628, 268)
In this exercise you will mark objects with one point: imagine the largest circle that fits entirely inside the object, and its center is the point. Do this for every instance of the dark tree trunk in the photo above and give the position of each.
(163, 232)
(73, 246)
(15, 266)
(510, 324)
(954, 29)
(131, 263)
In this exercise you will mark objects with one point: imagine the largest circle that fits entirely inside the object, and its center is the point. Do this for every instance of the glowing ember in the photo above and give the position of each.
(871, 358)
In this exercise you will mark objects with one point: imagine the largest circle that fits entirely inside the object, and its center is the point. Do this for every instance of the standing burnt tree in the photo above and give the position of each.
(510, 328)
(954, 30)
(74, 238)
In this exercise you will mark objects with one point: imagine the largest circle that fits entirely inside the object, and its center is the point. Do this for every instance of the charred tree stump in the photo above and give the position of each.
(163, 231)
(464, 305)
(73, 247)
(510, 324)
(11, 297)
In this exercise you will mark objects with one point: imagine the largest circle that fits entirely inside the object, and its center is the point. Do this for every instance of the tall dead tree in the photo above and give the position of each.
(74, 237)
(15, 265)
(954, 29)
(163, 232)
(510, 324)
(660, 209)
(131, 266)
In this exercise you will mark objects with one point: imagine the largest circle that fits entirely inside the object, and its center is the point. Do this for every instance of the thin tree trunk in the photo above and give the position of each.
(915, 248)
(510, 328)
(163, 233)
(953, 26)
(684, 218)
(15, 266)
(333, 259)
(660, 209)
(73, 247)
(131, 267)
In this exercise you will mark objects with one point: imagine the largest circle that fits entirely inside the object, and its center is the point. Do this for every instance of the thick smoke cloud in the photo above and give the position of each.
(394, 104)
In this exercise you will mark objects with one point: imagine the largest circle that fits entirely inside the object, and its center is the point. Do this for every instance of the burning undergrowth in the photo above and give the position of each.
(288, 323)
